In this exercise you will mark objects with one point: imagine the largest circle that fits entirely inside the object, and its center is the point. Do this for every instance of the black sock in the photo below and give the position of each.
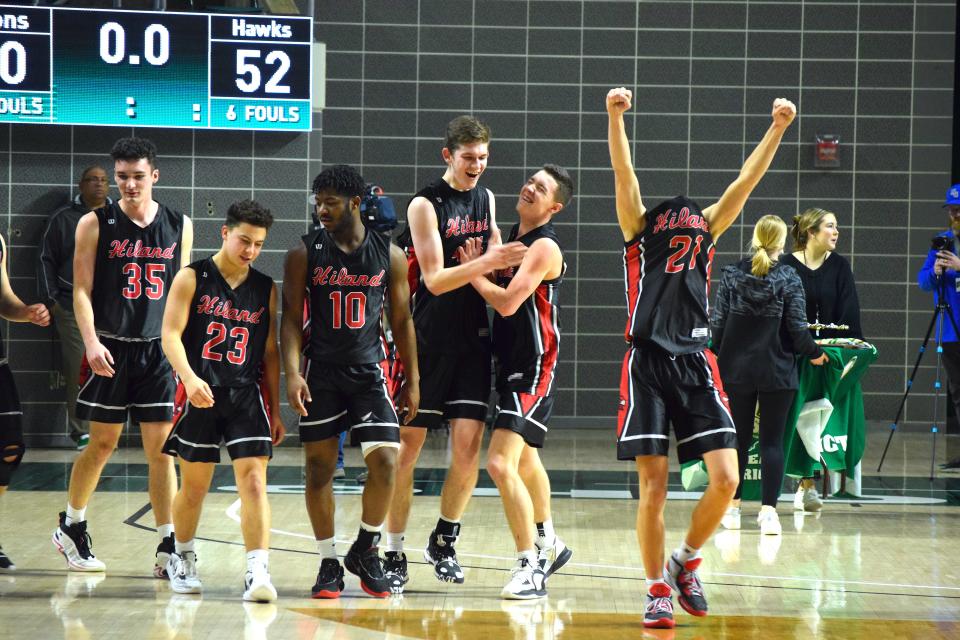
(366, 540)
(447, 528)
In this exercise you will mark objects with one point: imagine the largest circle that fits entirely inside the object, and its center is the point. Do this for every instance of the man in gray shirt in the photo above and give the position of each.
(55, 285)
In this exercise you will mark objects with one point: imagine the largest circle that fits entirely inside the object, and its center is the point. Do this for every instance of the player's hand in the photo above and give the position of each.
(199, 393)
(784, 112)
(277, 430)
(823, 359)
(409, 400)
(619, 100)
(99, 358)
(38, 314)
(948, 260)
(470, 250)
(502, 256)
(298, 394)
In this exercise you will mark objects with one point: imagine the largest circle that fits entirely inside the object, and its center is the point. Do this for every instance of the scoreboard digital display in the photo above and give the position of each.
(155, 69)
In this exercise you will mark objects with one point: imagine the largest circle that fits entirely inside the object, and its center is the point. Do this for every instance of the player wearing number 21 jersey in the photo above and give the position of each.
(219, 332)
(669, 376)
(346, 270)
(126, 257)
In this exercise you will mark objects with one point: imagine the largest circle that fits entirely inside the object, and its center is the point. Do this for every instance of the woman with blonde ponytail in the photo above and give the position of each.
(759, 325)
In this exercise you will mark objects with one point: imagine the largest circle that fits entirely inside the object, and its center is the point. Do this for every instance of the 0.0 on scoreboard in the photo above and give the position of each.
(73, 66)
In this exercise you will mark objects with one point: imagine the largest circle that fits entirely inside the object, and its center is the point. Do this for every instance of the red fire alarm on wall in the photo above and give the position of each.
(826, 152)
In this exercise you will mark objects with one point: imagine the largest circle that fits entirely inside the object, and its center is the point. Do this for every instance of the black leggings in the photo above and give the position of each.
(774, 406)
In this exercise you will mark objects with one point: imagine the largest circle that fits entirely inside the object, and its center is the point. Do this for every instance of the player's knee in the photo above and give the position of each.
(12, 455)
(193, 494)
(382, 465)
(653, 495)
(725, 481)
(319, 472)
(252, 484)
(498, 468)
(100, 448)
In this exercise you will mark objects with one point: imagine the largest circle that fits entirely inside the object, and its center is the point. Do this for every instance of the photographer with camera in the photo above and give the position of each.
(941, 275)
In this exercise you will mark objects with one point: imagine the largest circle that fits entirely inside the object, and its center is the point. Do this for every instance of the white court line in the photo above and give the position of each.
(233, 512)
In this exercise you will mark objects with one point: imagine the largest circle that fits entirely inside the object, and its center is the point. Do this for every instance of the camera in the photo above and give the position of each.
(941, 243)
(377, 210)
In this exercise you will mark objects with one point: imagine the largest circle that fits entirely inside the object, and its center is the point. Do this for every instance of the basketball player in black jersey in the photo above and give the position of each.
(12, 446)
(346, 272)
(126, 256)
(453, 339)
(526, 342)
(668, 374)
(219, 333)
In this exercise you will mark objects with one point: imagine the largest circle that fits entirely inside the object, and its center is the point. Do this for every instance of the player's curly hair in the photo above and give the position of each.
(133, 149)
(249, 211)
(342, 179)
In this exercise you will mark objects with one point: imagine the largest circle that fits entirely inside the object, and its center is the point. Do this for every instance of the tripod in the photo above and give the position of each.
(942, 309)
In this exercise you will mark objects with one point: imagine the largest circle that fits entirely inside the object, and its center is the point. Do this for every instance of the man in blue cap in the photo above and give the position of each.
(941, 274)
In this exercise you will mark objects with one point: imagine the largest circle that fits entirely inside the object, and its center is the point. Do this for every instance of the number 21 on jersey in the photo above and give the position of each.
(682, 245)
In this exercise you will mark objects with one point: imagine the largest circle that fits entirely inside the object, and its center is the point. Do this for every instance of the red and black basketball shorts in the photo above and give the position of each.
(11, 425)
(142, 385)
(657, 389)
(239, 418)
(453, 385)
(348, 397)
(525, 414)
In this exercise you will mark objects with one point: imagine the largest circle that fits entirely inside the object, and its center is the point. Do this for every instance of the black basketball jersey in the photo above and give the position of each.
(455, 321)
(227, 330)
(346, 293)
(3, 343)
(527, 343)
(667, 278)
(133, 272)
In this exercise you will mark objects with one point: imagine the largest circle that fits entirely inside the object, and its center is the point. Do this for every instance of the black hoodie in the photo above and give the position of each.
(758, 325)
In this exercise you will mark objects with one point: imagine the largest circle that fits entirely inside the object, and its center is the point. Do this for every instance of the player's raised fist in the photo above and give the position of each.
(619, 100)
(784, 112)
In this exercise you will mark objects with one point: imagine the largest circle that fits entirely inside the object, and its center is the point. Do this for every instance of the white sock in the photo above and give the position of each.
(653, 581)
(75, 515)
(684, 553)
(546, 536)
(165, 530)
(531, 556)
(371, 528)
(326, 548)
(183, 547)
(257, 556)
(395, 541)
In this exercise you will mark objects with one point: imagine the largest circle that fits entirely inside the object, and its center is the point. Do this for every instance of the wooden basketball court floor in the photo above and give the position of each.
(885, 566)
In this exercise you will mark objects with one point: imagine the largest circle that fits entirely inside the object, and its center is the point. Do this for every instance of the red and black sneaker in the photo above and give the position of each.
(329, 580)
(685, 581)
(659, 611)
(368, 566)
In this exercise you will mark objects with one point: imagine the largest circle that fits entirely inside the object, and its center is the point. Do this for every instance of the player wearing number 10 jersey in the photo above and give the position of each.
(346, 271)
(219, 332)
(126, 257)
(669, 375)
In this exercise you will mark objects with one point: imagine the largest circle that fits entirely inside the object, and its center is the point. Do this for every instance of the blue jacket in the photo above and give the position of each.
(951, 280)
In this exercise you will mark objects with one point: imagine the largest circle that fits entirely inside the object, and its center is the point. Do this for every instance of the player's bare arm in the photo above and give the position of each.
(723, 214)
(404, 334)
(11, 306)
(542, 260)
(176, 314)
(630, 209)
(495, 236)
(84, 260)
(186, 242)
(426, 242)
(291, 326)
(271, 373)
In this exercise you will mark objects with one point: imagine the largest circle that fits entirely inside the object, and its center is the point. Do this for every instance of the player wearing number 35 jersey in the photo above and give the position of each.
(669, 376)
(219, 332)
(126, 257)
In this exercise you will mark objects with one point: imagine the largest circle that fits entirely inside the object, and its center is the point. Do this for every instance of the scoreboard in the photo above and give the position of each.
(155, 69)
